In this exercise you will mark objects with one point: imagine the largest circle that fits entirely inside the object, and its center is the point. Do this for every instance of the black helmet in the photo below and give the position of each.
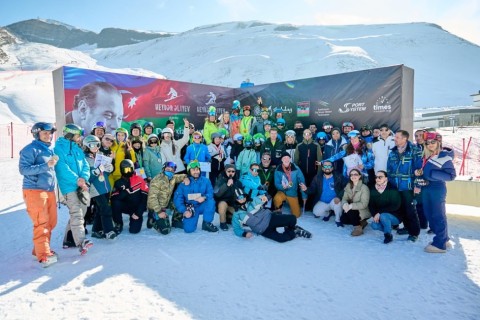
(127, 168)
(42, 126)
(148, 125)
(71, 129)
(135, 126)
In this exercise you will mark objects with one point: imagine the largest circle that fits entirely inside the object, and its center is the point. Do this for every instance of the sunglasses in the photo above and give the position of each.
(100, 124)
(327, 127)
(266, 159)
(354, 175)
(153, 142)
(254, 170)
(171, 165)
(379, 177)
(241, 197)
(307, 134)
(327, 166)
(230, 171)
(430, 142)
(108, 140)
(196, 137)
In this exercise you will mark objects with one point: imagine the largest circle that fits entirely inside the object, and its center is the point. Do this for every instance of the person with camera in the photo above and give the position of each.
(252, 217)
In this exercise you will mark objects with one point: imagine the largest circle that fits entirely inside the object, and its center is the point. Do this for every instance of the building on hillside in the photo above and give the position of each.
(448, 118)
(476, 99)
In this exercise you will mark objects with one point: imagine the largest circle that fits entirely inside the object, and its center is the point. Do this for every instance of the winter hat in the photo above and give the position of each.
(229, 166)
(336, 129)
(285, 153)
(239, 194)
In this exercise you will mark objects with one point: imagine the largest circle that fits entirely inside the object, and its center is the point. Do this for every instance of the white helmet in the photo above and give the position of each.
(167, 130)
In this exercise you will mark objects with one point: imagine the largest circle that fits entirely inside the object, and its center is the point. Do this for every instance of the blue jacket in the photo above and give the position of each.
(71, 165)
(97, 187)
(368, 160)
(297, 178)
(401, 167)
(197, 151)
(439, 169)
(245, 159)
(33, 166)
(153, 161)
(257, 221)
(251, 184)
(201, 186)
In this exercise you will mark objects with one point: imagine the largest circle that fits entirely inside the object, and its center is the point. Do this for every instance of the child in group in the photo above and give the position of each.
(99, 190)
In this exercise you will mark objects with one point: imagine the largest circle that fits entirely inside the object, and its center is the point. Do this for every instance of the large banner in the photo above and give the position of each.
(131, 99)
(373, 97)
(365, 97)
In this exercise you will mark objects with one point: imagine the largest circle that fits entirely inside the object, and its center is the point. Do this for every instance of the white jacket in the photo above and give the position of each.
(167, 150)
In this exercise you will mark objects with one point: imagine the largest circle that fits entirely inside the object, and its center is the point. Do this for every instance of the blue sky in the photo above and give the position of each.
(461, 17)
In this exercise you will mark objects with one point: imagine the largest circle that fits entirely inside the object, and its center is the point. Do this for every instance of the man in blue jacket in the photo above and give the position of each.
(195, 199)
(36, 164)
(401, 164)
(73, 173)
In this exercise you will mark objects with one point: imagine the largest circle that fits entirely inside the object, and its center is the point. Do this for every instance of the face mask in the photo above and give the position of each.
(169, 174)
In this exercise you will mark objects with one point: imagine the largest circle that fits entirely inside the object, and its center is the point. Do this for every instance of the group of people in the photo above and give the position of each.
(242, 168)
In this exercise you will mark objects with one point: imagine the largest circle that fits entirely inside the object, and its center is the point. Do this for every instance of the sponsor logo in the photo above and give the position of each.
(353, 107)
(382, 105)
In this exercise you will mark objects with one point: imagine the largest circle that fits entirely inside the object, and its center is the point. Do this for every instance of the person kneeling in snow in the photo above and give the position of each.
(262, 221)
(129, 196)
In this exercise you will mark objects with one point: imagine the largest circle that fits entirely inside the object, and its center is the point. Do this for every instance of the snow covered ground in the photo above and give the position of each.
(220, 276)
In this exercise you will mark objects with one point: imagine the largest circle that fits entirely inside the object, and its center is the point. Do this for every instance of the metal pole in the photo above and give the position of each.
(11, 140)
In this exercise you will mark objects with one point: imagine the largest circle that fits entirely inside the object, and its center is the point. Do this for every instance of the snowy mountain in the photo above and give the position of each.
(446, 66)
(66, 36)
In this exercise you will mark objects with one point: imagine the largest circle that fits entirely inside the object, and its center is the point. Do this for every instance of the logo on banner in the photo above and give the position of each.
(352, 107)
(172, 95)
(382, 105)
(213, 98)
(303, 109)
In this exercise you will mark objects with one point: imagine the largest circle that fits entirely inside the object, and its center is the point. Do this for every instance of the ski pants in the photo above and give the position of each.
(434, 209)
(103, 215)
(77, 211)
(287, 221)
(42, 210)
(207, 208)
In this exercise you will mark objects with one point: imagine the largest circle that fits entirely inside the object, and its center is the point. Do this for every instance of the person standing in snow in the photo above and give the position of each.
(73, 173)
(437, 168)
(36, 164)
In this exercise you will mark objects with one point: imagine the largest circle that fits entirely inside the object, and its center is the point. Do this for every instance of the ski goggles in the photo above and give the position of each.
(171, 164)
(93, 144)
(194, 164)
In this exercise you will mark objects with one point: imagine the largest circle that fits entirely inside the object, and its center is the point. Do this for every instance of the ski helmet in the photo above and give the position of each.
(148, 125)
(70, 130)
(290, 133)
(223, 133)
(42, 126)
(236, 105)
(280, 122)
(192, 165)
(347, 124)
(135, 126)
(170, 164)
(98, 125)
(151, 137)
(121, 130)
(167, 130)
(127, 168)
(91, 141)
(238, 137)
(321, 136)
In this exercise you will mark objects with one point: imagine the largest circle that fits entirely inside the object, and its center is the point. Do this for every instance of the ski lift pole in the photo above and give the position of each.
(462, 167)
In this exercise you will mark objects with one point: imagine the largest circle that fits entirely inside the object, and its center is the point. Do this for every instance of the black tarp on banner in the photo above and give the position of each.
(364, 97)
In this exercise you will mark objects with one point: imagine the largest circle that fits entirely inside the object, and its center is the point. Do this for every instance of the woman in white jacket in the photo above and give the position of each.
(170, 147)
